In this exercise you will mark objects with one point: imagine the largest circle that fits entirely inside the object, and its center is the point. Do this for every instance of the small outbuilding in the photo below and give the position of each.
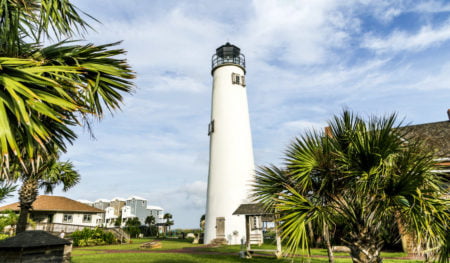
(35, 247)
(255, 215)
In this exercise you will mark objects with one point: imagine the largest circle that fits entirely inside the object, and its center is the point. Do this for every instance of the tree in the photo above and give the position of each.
(47, 91)
(132, 226)
(6, 188)
(202, 222)
(8, 218)
(367, 173)
(48, 175)
(150, 220)
(168, 223)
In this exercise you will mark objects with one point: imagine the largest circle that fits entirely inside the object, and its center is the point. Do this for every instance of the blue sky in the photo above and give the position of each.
(306, 60)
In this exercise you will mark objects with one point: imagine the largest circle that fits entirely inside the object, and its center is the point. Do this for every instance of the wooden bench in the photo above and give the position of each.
(248, 253)
(152, 244)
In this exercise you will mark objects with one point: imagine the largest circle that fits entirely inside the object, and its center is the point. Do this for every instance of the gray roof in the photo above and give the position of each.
(32, 238)
(251, 209)
(436, 136)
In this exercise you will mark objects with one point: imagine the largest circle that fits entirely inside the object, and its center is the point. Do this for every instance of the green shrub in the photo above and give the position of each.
(89, 237)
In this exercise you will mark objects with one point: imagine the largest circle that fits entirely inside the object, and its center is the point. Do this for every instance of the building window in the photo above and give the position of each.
(237, 79)
(211, 127)
(67, 218)
(87, 218)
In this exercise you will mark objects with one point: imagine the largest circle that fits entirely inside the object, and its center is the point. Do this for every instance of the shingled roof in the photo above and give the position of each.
(33, 238)
(251, 209)
(435, 135)
(55, 203)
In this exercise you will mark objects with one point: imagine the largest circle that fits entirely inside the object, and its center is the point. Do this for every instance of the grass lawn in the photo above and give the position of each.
(132, 253)
(136, 243)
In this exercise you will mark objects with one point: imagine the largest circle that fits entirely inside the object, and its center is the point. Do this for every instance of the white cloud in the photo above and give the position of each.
(296, 32)
(301, 125)
(431, 7)
(426, 37)
(195, 194)
(384, 10)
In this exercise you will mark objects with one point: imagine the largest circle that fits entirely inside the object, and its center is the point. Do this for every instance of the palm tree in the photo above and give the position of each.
(46, 91)
(50, 173)
(8, 218)
(150, 220)
(202, 222)
(167, 217)
(132, 226)
(366, 175)
(6, 188)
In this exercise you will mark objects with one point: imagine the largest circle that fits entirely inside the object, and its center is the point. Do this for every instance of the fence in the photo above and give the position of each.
(55, 228)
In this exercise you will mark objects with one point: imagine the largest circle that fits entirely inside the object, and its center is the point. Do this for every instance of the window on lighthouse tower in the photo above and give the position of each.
(237, 79)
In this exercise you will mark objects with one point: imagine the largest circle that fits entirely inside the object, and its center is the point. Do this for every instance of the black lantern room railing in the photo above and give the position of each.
(228, 54)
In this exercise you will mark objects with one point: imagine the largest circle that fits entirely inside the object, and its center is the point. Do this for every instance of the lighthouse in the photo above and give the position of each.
(231, 165)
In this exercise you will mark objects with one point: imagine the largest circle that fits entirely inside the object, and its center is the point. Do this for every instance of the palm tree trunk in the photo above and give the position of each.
(27, 195)
(365, 248)
(326, 237)
(364, 253)
(312, 238)
(406, 237)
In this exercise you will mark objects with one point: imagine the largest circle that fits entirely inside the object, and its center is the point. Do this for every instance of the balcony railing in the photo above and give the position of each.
(217, 61)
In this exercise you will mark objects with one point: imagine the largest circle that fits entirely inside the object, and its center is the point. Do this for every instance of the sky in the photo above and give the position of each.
(305, 61)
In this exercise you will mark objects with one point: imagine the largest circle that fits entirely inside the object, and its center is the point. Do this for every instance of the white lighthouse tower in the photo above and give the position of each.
(231, 165)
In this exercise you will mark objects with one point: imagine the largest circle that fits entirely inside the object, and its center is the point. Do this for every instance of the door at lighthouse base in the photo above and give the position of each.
(220, 227)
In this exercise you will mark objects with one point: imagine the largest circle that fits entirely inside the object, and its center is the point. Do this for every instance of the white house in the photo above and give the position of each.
(61, 210)
(85, 202)
(114, 211)
(137, 207)
(157, 212)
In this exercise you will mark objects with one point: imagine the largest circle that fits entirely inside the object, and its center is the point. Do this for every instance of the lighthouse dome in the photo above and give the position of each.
(228, 54)
(228, 51)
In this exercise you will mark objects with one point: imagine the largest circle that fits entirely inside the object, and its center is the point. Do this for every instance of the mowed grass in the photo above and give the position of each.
(136, 243)
(132, 253)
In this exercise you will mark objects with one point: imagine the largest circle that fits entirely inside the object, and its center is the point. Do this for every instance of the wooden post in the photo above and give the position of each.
(247, 236)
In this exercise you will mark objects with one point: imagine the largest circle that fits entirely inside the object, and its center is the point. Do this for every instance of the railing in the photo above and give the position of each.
(57, 227)
(119, 233)
(217, 61)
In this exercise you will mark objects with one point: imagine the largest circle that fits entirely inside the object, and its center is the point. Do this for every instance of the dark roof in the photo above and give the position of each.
(251, 209)
(435, 135)
(55, 203)
(33, 238)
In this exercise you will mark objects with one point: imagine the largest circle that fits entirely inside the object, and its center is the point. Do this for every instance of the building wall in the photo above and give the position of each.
(33, 255)
(101, 205)
(138, 208)
(110, 217)
(231, 165)
(117, 205)
(77, 218)
(157, 214)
